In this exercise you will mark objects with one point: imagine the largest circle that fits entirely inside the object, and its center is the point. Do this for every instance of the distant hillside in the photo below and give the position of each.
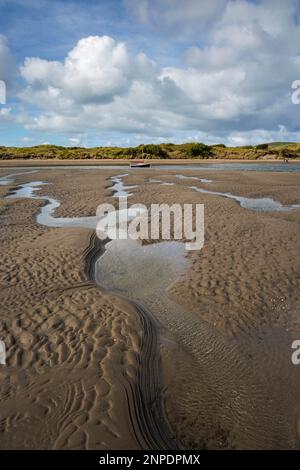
(290, 145)
(197, 150)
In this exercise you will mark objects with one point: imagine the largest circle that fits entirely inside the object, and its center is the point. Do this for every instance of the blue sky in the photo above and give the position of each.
(123, 72)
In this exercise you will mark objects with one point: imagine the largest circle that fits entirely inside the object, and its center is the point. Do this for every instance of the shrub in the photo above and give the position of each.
(130, 151)
(262, 147)
(152, 149)
(199, 150)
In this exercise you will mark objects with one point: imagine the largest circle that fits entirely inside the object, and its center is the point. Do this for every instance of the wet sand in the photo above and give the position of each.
(71, 349)
(74, 350)
(123, 162)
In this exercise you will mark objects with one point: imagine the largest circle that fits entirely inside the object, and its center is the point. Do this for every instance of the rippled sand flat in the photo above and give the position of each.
(234, 315)
(69, 346)
(226, 323)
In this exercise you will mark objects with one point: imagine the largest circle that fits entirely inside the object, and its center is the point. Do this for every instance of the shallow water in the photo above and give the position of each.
(9, 179)
(196, 178)
(152, 267)
(4, 180)
(261, 204)
(272, 167)
(46, 214)
(164, 183)
(119, 188)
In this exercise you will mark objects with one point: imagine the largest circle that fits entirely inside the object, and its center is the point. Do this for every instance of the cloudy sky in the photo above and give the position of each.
(124, 72)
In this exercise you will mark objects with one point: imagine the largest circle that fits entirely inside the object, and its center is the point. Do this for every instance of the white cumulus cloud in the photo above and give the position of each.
(234, 84)
(7, 64)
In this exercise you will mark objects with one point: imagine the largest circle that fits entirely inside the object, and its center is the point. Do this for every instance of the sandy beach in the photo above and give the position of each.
(214, 348)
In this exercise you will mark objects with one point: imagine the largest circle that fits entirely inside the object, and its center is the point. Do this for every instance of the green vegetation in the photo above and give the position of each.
(191, 150)
(282, 144)
(144, 151)
(262, 147)
(199, 150)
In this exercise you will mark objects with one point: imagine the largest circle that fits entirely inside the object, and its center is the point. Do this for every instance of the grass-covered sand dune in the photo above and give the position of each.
(197, 150)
